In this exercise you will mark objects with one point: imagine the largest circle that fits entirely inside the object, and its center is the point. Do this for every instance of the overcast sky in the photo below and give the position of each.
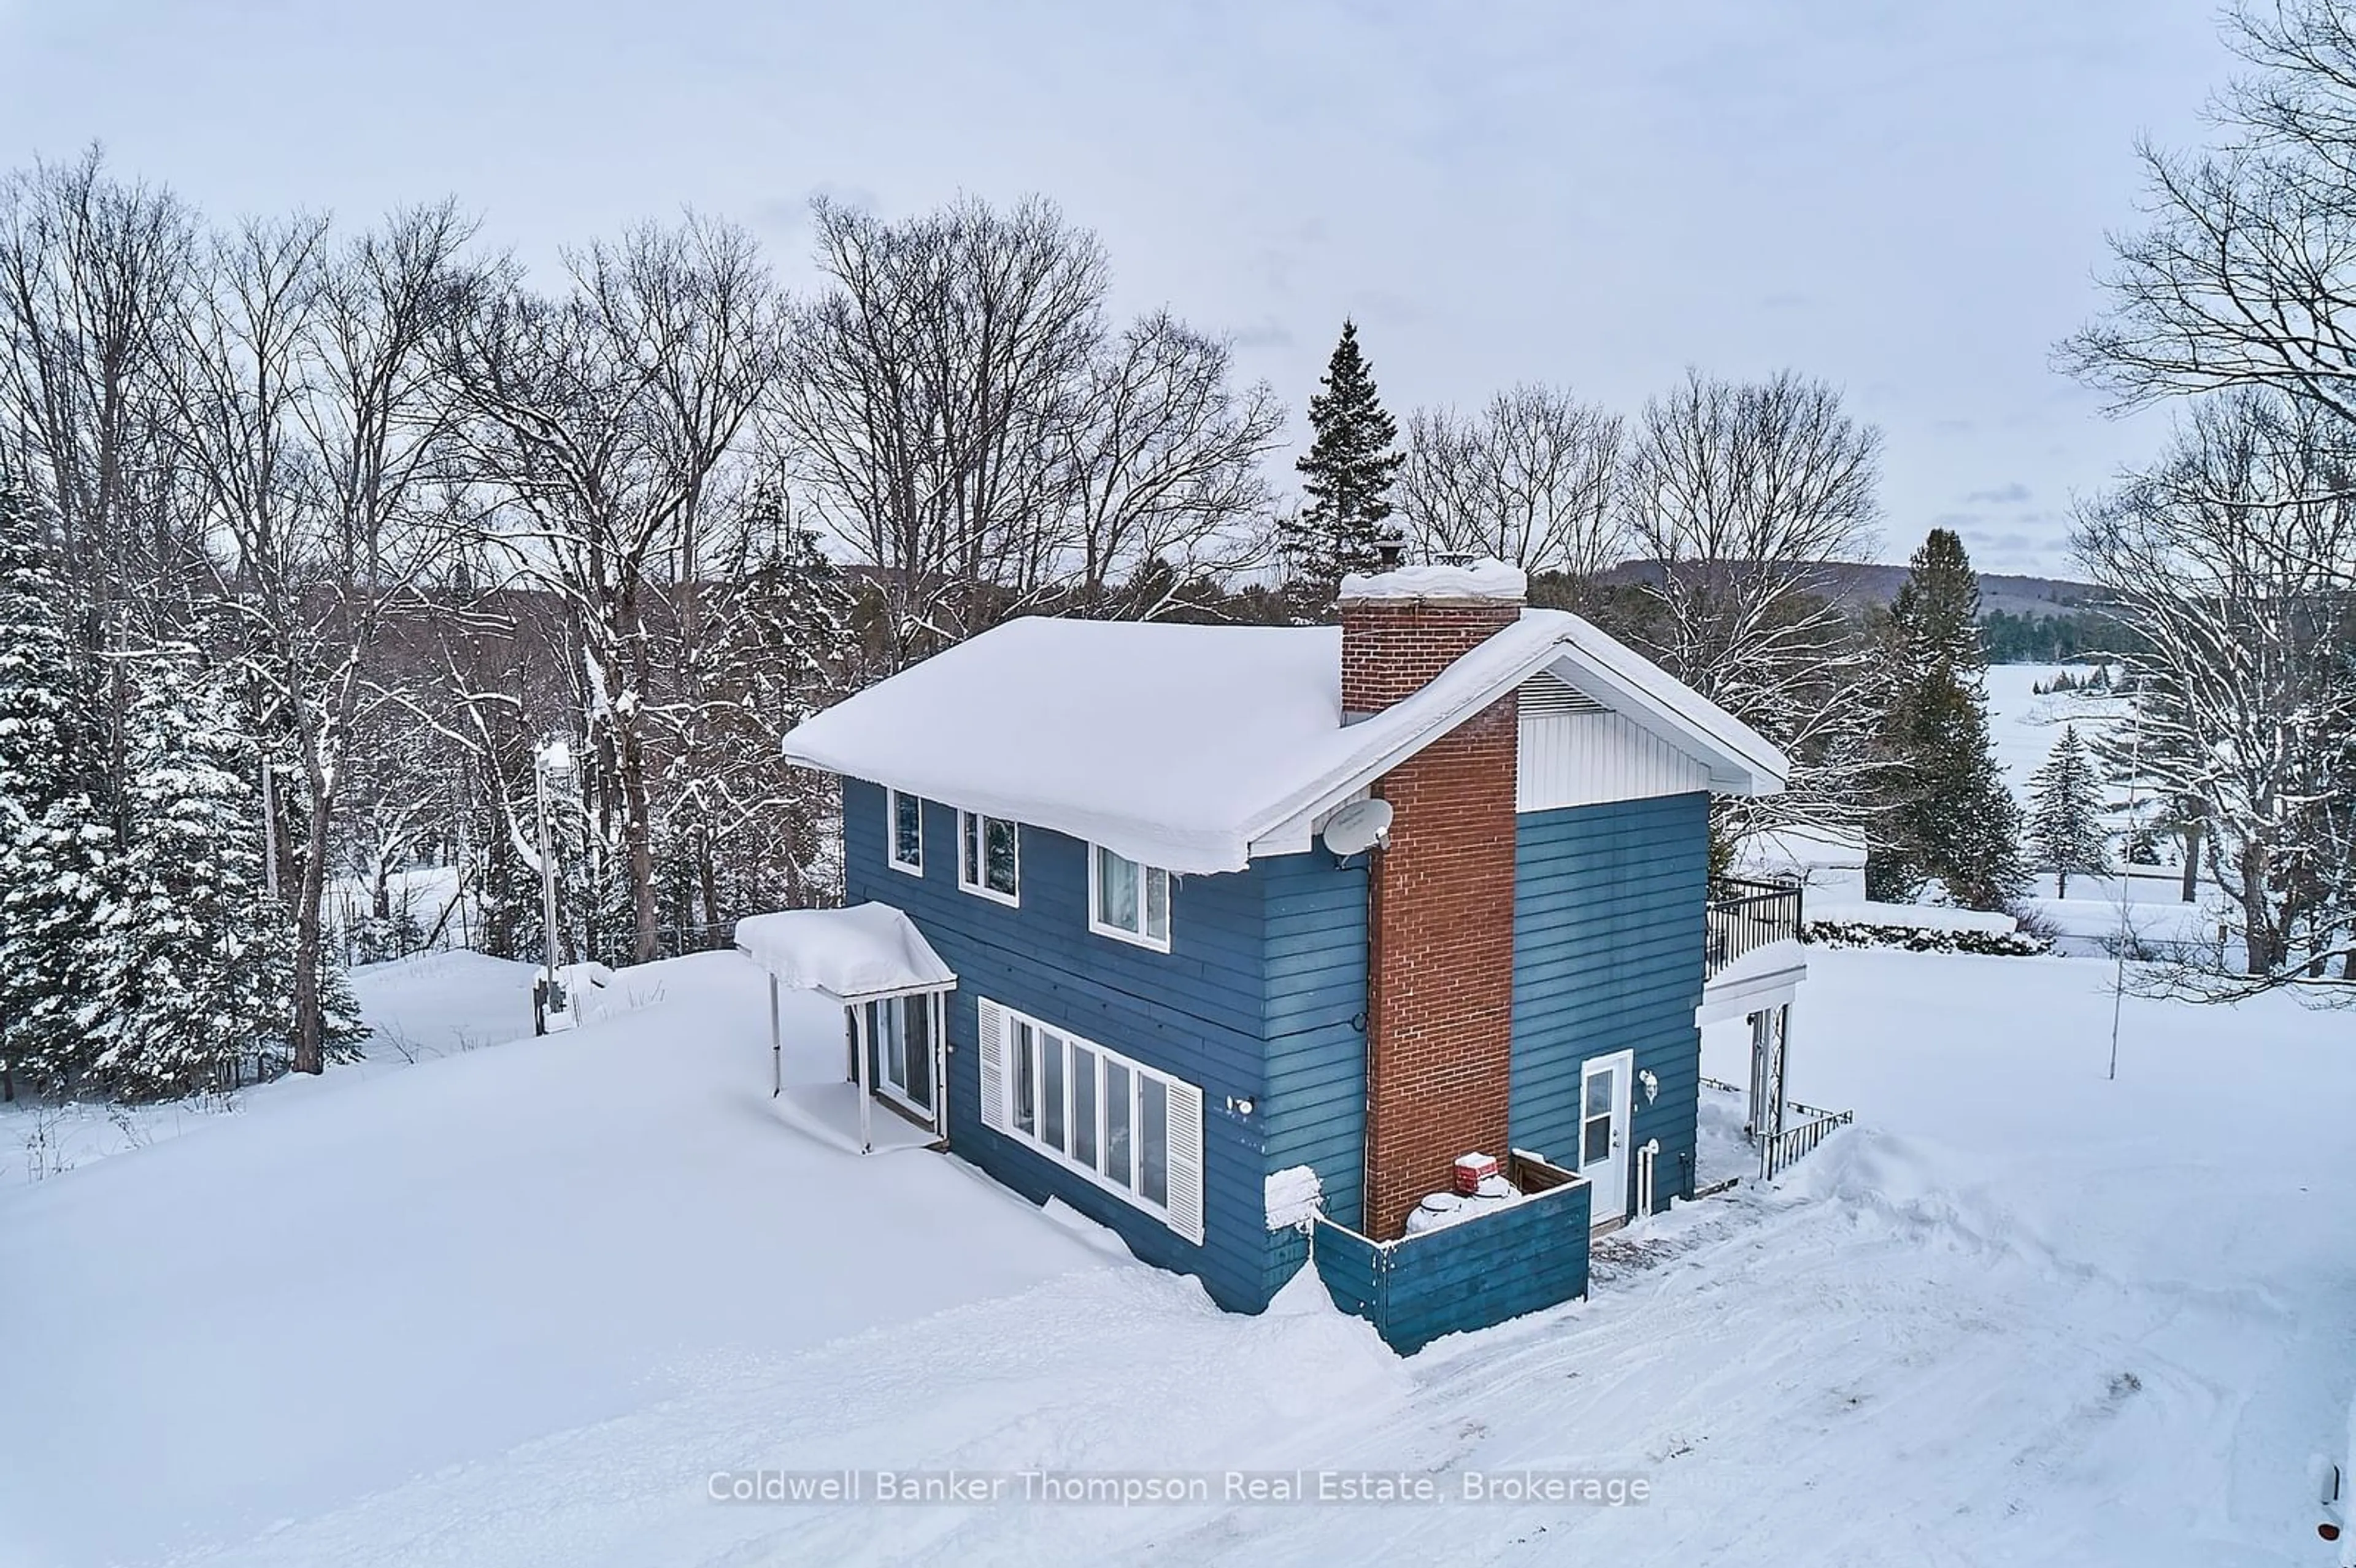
(1909, 201)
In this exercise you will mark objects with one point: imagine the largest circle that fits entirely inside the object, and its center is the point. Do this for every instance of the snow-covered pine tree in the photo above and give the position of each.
(54, 841)
(194, 959)
(2065, 814)
(1347, 472)
(1950, 815)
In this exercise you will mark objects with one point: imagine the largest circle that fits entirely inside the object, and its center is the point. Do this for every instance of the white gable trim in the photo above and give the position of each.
(1598, 756)
(1729, 756)
(1741, 761)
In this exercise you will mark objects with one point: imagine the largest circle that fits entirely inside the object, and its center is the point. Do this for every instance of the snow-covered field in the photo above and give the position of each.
(2024, 727)
(516, 1305)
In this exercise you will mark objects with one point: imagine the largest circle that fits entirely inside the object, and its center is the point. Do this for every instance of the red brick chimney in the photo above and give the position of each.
(1440, 962)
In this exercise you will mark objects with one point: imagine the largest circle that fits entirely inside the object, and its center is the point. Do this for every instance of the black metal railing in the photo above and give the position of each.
(1746, 915)
(1794, 1143)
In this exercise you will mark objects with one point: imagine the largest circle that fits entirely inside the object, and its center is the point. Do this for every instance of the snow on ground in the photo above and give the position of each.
(2024, 727)
(421, 1007)
(516, 1306)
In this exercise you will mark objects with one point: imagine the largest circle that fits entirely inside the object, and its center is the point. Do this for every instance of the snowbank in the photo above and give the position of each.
(1922, 917)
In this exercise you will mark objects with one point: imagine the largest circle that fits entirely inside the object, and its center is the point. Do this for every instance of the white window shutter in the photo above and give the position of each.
(994, 1064)
(1185, 1160)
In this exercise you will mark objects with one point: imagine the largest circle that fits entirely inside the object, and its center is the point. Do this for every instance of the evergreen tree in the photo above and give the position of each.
(2065, 814)
(1949, 815)
(196, 959)
(1347, 472)
(54, 844)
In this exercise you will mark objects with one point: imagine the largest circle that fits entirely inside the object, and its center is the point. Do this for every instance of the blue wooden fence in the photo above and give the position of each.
(1471, 1275)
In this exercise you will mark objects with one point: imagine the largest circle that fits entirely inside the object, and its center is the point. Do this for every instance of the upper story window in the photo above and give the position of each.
(908, 831)
(1129, 902)
(988, 857)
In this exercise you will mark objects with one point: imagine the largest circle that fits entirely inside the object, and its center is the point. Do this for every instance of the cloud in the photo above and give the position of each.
(1266, 333)
(2013, 494)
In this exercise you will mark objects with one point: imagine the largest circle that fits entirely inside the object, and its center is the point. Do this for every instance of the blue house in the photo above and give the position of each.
(1264, 938)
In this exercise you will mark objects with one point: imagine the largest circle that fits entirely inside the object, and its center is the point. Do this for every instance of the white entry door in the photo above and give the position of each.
(1604, 1089)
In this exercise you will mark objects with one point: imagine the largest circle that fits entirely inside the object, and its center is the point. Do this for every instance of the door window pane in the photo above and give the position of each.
(1116, 890)
(1051, 1091)
(917, 1013)
(1116, 1122)
(999, 853)
(895, 1045)
(1026, 1096)
(1595, 1144)
(1598, 1094)
(1152, 1141)
(1083, 1106)
(1157, 904)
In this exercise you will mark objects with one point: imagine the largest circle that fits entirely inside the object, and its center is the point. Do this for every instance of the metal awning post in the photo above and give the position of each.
(859, 1024)
(776, 1045)
(937, 1037)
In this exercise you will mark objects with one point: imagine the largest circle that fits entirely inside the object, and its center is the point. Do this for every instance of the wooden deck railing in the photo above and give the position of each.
(1746, 915)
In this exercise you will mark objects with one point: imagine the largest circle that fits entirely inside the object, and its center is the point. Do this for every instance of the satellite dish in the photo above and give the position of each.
(1361, 825)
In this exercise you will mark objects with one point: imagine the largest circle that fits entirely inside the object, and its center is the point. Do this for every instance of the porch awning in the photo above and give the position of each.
(852, 954)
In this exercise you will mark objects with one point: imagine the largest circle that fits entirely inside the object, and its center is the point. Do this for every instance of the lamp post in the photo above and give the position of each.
(552, 760)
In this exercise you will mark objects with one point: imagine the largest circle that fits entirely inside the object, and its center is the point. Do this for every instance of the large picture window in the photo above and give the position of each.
(1129, 1129)
(1131, 903)
(907, 825)
(988, 858)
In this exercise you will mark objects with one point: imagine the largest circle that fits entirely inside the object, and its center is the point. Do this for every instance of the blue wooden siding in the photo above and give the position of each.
(1465, 1277)
(1200, 1012)
(1314, 1023)
(1608, 933)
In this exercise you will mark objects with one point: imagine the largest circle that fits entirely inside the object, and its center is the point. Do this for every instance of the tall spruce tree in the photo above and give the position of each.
(54, 843)
(1949, 816)
(1347, 472)
(196, 959)
(2065, 814)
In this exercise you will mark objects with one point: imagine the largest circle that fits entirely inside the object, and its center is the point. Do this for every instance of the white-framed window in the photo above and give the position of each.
(1129, 1129)
(1128, 901)
(989, 856)
(903, 823)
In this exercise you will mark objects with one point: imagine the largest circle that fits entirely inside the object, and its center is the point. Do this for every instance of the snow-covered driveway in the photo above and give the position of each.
(2018, 1315)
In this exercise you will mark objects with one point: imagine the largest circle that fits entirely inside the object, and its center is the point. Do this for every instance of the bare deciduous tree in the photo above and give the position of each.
(1530, 479)
(1161, 466)
(933, 383)
(1738, 497)
(93, 276)
(2243, 277)
(307, 407)
(603, 419)
(2234, 559)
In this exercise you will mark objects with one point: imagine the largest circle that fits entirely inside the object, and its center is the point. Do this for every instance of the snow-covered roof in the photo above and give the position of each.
(1482, 580)
(1186, 746)
(867, 950)
(1803, 847)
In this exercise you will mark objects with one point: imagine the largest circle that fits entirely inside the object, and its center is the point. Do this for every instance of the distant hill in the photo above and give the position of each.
(1871, 582)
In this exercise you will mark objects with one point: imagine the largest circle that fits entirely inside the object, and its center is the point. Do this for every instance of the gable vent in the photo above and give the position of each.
(1547, 692)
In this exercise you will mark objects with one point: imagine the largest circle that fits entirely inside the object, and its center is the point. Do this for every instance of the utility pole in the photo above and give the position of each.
(270, 826)
(2126, 880)
(554, 757)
